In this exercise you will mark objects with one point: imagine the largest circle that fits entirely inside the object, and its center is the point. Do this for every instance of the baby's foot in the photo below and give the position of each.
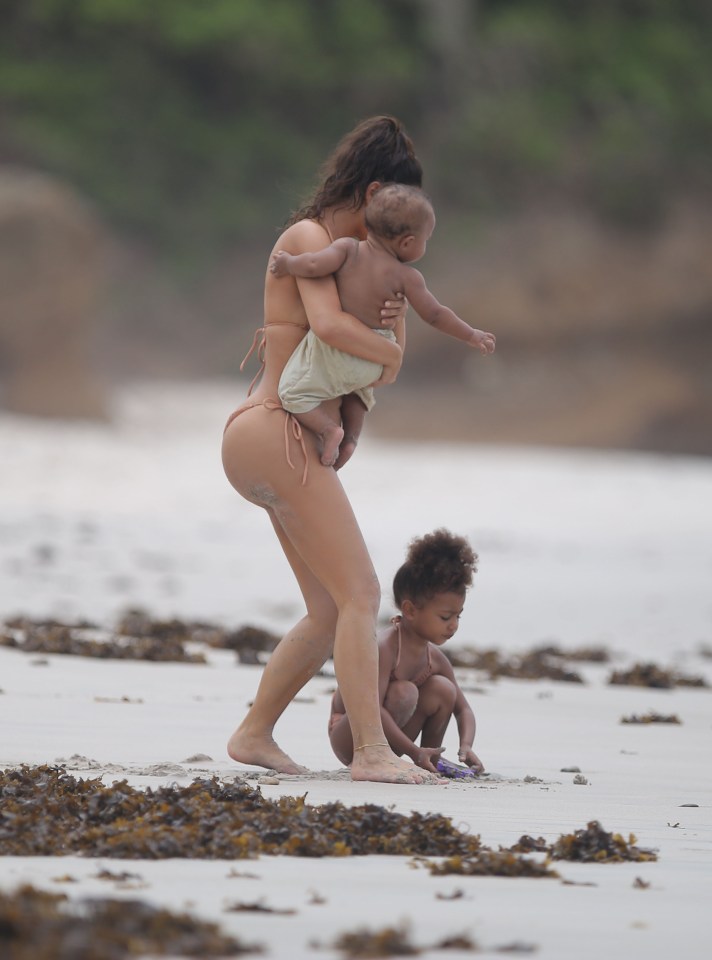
(346, 450)
(379, 764)
(330, 439)
(263, 751)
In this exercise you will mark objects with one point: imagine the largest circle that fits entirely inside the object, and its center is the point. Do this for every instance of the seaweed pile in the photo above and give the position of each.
(136, 636)
(492, 863)
(651, 675)
(35, 925)
(45, 811)
(541, 663)
(50, 636)
(595, 845)
(652, 717)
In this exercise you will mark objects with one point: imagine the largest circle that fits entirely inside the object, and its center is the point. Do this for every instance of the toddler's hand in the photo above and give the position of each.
(427, 758)
(469, 757)
(278, 264)
(485, 342)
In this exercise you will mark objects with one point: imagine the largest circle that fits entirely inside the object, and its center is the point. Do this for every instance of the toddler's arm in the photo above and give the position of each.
(464, 717)
(318, 264)
(443, 318)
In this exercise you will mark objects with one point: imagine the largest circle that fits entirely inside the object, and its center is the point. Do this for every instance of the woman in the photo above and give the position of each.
(271, 464)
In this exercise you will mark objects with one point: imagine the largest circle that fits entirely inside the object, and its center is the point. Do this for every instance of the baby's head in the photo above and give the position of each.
(429, 588)
(403, 217)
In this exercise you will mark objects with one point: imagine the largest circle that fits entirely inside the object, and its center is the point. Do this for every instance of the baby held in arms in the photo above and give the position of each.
(399, 223)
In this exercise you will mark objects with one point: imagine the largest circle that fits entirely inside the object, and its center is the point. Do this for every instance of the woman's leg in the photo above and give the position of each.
(318, 522)
(298, 656)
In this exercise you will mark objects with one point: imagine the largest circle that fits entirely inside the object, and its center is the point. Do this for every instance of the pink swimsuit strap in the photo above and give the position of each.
(289, 422)
(259, 343)
(428, 669)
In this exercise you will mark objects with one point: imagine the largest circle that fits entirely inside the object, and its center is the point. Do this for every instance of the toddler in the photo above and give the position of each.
(417, 686)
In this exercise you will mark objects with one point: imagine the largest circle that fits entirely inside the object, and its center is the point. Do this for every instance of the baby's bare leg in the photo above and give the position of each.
(401, 701)
(329, 432)
(353, 414)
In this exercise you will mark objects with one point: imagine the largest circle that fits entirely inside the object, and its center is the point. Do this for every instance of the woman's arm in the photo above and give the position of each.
(342, 330)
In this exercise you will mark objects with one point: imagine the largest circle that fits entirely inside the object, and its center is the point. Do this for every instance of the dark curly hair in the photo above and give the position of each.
(397, 209)
(376, 150)
(439, 562)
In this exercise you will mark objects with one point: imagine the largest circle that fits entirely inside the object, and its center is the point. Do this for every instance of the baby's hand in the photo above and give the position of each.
(485, 342)
(468, 756)
(278, 264)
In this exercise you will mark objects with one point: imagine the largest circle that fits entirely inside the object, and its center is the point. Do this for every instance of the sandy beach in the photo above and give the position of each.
(577, 549)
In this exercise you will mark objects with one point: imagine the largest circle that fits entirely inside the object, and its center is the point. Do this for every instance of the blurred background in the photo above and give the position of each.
(151, 149)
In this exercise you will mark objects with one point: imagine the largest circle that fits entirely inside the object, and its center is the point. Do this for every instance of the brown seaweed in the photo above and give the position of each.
(136, 636)
(45, 811)
(595, 845)
(491, 863)
(651, 675)
(652, 717)
(388, 942)
(537, 664)
(35, 925)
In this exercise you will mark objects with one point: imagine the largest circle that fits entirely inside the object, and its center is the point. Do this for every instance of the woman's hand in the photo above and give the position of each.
(394, 310)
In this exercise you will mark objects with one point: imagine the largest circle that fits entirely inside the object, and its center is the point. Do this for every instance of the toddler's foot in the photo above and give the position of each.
(261, 750)
(330, 440)
(379, 764)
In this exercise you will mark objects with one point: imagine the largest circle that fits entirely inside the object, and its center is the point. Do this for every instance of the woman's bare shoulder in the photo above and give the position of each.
(304, 236)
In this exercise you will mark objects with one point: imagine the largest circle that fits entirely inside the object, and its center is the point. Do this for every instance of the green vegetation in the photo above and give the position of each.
(193, 124)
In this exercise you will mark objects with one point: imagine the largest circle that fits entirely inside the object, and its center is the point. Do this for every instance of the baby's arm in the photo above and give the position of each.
(441, 317)
(318, 264)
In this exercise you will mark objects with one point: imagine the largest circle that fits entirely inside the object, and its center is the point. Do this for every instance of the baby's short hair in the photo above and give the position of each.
(396, 209)
(439, 562)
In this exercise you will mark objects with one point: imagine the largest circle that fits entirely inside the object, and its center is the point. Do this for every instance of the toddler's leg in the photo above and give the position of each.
(329, 432)
(432, 714)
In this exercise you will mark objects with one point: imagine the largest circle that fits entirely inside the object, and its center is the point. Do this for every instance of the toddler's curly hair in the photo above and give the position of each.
(439, 562)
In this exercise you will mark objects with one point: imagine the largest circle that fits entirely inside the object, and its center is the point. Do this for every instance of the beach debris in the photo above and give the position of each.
(259, 906)
(491, 863)
(527, 844)
(674, 825)
(45, 811)
(136, 636)
(124, 877)
(518, 946)
(689, 804)
(571, 770)
(458, 941)
(36, 924)
(388, 942)
(652, 717)
(595, 845)
(541, 663)
(316, 899)
(580, 780)
(51, 636)
(640, 884)
(198, 758)
(531, 779)
(651, 675)
(457, 894)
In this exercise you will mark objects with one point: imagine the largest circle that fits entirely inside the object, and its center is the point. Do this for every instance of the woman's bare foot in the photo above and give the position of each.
(263, 751)
(378, 763)
(330, 438)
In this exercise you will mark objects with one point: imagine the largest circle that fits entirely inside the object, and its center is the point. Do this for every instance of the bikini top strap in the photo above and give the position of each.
(396, 621)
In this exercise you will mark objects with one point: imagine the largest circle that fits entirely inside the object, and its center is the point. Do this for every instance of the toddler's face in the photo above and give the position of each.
(437, 619)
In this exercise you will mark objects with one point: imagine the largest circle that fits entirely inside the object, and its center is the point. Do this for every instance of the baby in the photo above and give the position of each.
(399, 223)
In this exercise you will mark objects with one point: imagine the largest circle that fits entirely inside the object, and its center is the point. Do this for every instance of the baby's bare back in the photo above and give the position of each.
(366, 279)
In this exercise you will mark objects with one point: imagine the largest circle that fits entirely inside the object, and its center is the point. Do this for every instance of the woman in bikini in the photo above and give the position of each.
(272, 464)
